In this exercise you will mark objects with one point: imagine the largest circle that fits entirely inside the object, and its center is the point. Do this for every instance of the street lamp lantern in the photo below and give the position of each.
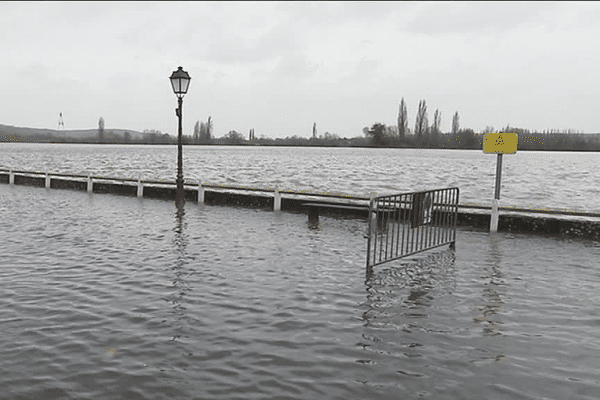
(180, 80)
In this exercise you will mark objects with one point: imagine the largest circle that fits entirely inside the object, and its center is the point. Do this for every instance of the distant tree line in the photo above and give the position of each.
(430, 136)
(424, 135)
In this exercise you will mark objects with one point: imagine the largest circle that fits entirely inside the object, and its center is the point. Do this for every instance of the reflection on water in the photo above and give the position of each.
(180, 270)
(489, 311)
(493, 289)
(400, 298)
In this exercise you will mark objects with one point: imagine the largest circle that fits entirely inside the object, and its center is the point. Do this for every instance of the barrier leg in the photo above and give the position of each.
(11, 177)
(90, 184)
(47, 181)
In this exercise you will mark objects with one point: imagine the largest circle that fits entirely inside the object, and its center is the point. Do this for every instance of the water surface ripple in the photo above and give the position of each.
(567, 180)
(114, 297)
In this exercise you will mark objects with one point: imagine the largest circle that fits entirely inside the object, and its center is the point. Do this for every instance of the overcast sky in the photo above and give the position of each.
(278, 67)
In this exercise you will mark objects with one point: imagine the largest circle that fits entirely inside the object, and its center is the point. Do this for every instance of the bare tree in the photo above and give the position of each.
(421, 124)
(314, 130)
(455, 124)
(197, 132)
(204, 131)
(402, 120)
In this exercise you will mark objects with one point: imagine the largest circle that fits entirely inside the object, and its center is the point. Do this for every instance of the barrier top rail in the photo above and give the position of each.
(553, 211)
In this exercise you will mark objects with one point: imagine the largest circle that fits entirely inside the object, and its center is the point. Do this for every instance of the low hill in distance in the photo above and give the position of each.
(85, 134)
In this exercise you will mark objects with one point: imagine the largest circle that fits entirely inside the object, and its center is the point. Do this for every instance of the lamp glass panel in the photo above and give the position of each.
(176, 85)
(184, 84)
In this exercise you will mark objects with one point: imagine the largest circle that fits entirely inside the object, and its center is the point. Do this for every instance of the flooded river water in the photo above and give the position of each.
(114, 297)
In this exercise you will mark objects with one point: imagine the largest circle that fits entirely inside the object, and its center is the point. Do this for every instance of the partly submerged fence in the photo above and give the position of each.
(409, 223)
(512, 219)
(194, 191)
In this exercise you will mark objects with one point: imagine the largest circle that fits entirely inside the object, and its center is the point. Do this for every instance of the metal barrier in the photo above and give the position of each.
(408, 223)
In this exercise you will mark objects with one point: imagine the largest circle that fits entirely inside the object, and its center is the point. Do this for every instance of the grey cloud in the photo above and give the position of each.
(466, 17)
(230, 47)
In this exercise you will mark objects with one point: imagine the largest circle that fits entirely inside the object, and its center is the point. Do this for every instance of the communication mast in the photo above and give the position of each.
(61, 122)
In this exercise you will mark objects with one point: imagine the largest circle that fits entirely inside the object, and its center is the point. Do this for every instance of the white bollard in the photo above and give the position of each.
(200, 193)
(140, 191)
(11, 177)
(47, 181)
(277, 200)
(494, 219)
(90, 184)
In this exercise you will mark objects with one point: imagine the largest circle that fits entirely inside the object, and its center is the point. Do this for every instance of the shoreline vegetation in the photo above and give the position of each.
(378, 136)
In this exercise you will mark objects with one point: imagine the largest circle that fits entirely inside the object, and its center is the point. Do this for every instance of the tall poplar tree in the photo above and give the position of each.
(455, 124)
(421, 124)
(402, 120)
(435, 128)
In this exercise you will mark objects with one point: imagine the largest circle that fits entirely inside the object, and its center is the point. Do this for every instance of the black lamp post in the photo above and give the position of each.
(180, 80)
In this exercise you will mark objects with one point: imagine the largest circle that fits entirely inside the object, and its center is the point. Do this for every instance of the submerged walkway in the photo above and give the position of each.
(563, 223)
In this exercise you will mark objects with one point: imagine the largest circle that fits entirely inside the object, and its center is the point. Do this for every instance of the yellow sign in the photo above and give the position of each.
(505, 143)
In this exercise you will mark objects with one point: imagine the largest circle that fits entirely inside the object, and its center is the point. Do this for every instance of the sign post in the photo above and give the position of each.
(498, 143)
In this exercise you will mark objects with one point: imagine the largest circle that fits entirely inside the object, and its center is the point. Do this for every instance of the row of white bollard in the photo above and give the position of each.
(140, 189)
(276, 198)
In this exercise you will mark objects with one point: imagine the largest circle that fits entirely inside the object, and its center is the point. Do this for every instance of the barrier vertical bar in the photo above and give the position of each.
(455, 209)
(447, 196)
(11, 177)
(90, 185)
(389, 227)
(427, 226)
(404, 218)
(444, 211)
(432, 225)
(439, 215)
(386, 224)
(447, 199)
(378, 239)
(398, 221)
(47, 181)
(369, 232)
